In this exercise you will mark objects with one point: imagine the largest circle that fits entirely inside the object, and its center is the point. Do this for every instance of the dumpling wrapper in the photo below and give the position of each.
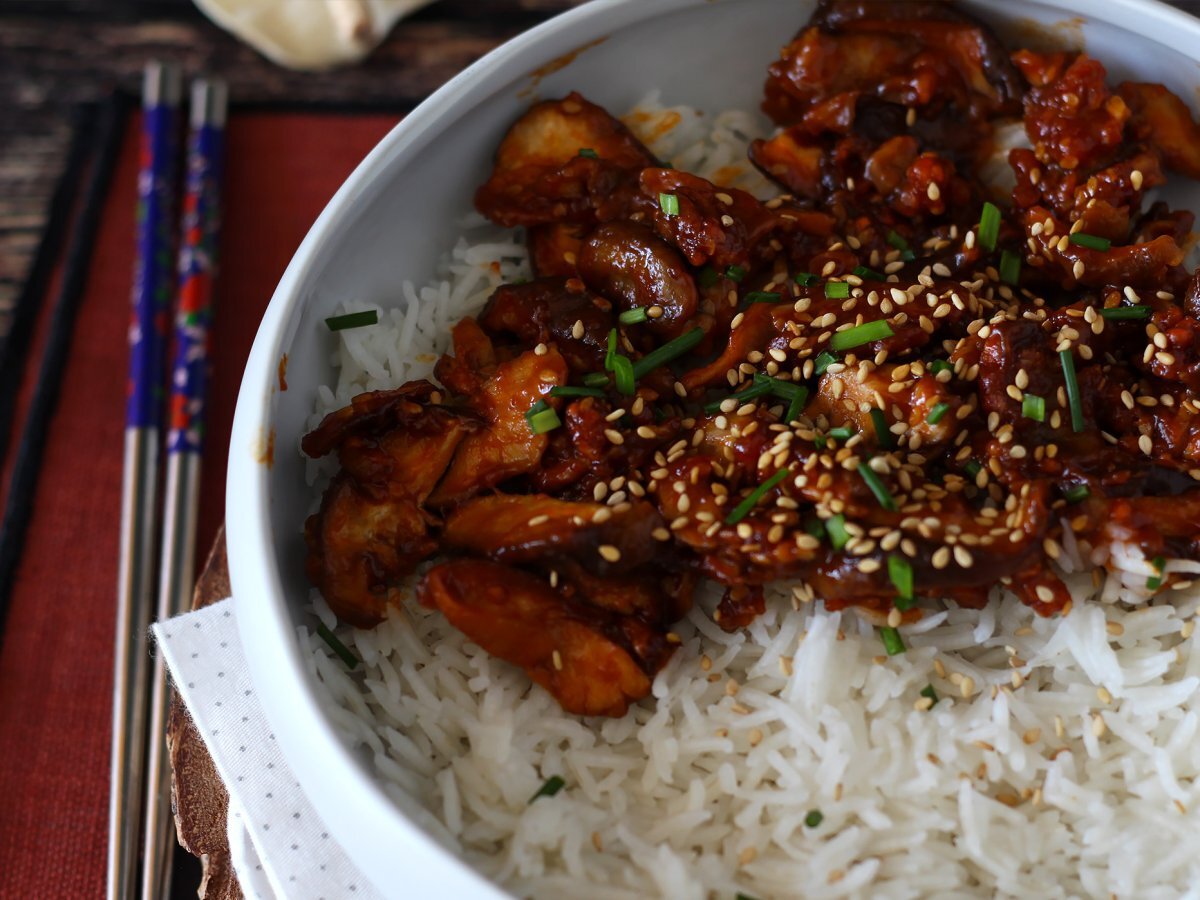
(310, 34)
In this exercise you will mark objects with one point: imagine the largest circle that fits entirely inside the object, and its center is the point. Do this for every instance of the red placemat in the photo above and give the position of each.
(56, 657)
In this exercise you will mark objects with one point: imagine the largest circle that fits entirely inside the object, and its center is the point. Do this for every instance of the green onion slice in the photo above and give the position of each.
(634, 316)
(860, 334)
(883, 436)
(553, 785)
(542, 420)
(337, 646)
(815, 527)
(841, 433)
(1033, 407)
(569, 391)
(1125, 312)
(878, 488)
(352, 320)
(941, 365)
(835, 527)
(1010, 267)
(611, 354)
(929, 692)
(814, 818)
(824, 360)
(892, 642)
(595, 379)
(896, 240)
(708, 277)
(1154, 582)
(806, 279)
(1076, 493)
(588, 153)
(669, 351)
(756, 390)
(1090, 241)
(939, 410)
(989, 226)
(972, 468)
(743, 509)
(900, 571)
(869, 274)
(735, 273)
(669, 204)
(795, 407)
(762, 297)
(623, 374)
(1072, 384)
(837, 290)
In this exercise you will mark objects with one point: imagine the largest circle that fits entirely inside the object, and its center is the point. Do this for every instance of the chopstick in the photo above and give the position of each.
(162, 91)
(189, 382)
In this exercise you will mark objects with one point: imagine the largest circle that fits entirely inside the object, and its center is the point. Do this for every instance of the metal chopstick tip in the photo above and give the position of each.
(210, 103)
(162, 84)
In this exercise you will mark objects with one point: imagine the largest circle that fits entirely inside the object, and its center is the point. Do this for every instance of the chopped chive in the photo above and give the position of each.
(1154, 582)
(672, 349)
(938, 366)
(882, 435)
(795, 407)
(352, 320)
(1072, 385)
(837, 290)
(896, 240)
(1033, 407)
(762, 297)
(892, 642)
(861, 334)
(669, 204)
(708, 277)
(1010, 267)
(929, 692)
(588, 153)
(735, 273)
(576, 392)
(1091, 241)
(989, 226)
(938, 411)
(904, 603)
(611, 353)
(806, 279)
(814, 818)
(870, 274)
(823, 361)
(743, 509)
(623, 374)
(878, 488)
(815, 527)
(553, 785)
(900, 571)
(741, 896)
(542, 421)
(841, 433)
(758, 389)
(1126, 312)
(634, 316)
(835, 527)
(337, 646)
(595, 379)
(972, 468)
(818, 441)
(1076, 493)
(538, 407)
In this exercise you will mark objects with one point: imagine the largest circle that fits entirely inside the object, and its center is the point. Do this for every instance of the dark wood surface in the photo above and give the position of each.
(55, 54)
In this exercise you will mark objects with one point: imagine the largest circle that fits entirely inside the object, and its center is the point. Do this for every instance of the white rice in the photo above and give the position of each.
(1060, 760)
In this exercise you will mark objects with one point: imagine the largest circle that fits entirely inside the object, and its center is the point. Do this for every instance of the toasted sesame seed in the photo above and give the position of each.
(1099, 726)
(934, 192)
(614, 436)
(610, 553)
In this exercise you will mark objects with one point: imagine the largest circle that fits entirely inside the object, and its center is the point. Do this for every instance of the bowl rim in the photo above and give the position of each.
(304, 732)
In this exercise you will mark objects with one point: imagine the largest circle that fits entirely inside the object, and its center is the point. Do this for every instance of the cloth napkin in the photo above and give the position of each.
(279, 845)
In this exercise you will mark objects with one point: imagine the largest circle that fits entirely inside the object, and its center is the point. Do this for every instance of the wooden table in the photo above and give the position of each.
(55, 54)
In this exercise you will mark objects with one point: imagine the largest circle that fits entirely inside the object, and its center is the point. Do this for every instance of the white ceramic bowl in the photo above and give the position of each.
(393, 218)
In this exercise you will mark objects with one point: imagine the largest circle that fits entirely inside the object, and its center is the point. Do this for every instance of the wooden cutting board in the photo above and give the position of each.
(198, 796)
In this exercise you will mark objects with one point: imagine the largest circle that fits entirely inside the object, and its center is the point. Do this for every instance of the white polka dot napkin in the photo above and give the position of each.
(279, 845)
